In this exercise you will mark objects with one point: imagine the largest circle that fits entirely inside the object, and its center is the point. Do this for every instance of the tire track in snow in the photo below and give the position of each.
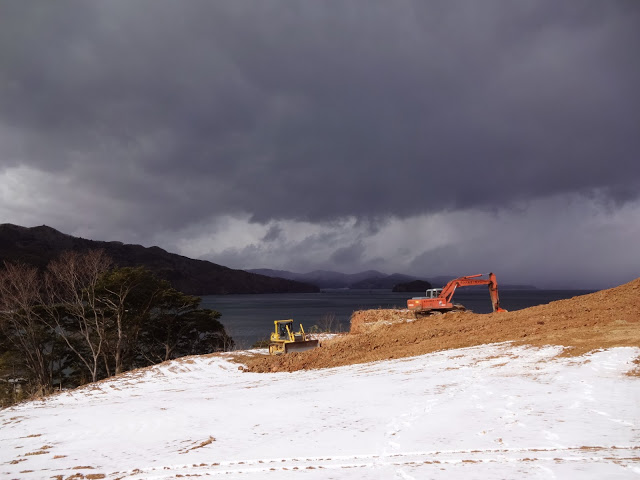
(621, 455)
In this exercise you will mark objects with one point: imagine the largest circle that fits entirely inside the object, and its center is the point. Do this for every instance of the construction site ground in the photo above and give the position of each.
(604, 319)
(486, 411)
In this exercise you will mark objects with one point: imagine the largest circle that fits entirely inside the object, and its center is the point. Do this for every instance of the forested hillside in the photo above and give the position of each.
(82, 319)
(37, 246)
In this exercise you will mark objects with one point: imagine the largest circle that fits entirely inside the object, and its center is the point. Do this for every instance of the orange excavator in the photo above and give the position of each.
(439, 299)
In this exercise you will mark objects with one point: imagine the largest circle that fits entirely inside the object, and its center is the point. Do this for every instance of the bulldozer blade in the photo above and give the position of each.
(300, 346)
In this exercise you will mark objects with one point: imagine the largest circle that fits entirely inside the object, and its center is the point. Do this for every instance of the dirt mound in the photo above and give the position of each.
(603, 319)
(364, 321)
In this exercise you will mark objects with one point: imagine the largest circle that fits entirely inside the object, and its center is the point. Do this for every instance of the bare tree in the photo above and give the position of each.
(329, 323)
(22, 322)
(72, 281)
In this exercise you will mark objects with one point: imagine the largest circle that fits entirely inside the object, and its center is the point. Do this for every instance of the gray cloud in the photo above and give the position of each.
(173, 113)
(274, 233)
(557, 242)
(349, 256)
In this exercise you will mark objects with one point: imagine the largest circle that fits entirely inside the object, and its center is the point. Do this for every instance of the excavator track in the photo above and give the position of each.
(427, 312)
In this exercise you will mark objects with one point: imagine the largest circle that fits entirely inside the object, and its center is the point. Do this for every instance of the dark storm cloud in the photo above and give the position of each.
(314, 110)
(348, 256)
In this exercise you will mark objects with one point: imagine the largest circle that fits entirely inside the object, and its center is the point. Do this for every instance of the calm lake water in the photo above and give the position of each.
(249, 318)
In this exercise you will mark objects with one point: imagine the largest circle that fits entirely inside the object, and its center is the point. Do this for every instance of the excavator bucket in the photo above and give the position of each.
(300, 346)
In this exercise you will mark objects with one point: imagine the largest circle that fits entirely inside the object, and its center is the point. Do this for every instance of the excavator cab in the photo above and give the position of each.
(433, 293)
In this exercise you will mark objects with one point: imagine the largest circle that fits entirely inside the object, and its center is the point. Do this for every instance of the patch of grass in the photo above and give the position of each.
(42, 451)
(204, 443)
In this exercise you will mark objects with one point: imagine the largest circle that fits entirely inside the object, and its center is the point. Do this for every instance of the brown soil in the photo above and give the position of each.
(609, 318)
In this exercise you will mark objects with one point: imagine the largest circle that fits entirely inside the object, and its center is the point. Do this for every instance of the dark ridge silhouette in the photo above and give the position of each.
(37, 246)
(414, 286)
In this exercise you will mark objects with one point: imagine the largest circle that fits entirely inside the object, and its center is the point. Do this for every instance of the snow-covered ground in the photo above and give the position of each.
(487, 412)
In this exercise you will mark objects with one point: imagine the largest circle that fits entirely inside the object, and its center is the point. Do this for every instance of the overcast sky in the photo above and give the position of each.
(422, 137)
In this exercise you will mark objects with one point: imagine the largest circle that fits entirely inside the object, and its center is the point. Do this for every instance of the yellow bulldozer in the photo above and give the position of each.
(285, 340)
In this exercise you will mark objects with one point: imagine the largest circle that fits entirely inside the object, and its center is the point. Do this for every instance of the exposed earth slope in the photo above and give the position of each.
(602, 319)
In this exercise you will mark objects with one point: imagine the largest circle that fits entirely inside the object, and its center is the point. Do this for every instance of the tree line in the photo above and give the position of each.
(82, 319)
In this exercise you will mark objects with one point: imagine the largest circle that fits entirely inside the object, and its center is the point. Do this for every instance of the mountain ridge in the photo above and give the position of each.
(366, 280)
(37, 246)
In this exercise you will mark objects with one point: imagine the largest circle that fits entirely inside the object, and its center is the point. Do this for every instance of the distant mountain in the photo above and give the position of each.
(387, 282)
(275, 273)
(38, 245)
(370, 280)
(367, 280)
(323, 278)
(328, 279)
